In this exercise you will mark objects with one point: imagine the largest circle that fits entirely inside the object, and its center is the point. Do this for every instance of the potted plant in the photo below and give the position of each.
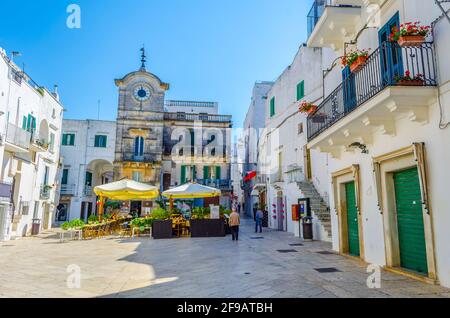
(75, 224)
(355, 59)
(410, 34)
(203, 226)
(307, 108)
(161, 224)
(407, 80)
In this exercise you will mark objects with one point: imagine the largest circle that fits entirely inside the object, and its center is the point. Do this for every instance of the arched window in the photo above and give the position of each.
(139, 146)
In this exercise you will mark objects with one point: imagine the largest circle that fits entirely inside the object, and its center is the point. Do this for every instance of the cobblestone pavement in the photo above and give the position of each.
(197, 268)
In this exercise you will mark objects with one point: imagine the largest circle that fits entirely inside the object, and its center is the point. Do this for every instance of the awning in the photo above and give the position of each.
(259, 186)
(125, 190)
(192, 191)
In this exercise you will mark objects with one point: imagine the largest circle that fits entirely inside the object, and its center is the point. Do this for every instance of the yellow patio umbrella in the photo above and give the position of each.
(125, 190)
(192, 191)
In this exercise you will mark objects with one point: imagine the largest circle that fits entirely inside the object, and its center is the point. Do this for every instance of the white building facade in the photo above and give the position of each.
(254, 124)
(387, 138)
(87, 150)
(30, 130)
(284, 160)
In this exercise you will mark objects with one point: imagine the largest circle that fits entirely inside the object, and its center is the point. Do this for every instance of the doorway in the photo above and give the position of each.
(136, 208)
(410, 222)
(352, 220)
(391, 54)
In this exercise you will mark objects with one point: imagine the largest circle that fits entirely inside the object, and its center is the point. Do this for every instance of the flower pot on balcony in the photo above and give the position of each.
(312, 110)
(415, 82)
(358, 64)
(411, 40)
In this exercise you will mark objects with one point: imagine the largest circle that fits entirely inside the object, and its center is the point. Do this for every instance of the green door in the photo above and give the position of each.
(411, 232)
(352, 220)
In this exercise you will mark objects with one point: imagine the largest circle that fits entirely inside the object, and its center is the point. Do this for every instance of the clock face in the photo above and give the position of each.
(141, 93)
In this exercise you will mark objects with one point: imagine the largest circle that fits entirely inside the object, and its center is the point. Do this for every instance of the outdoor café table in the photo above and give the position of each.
(71, 233)
(137, 229)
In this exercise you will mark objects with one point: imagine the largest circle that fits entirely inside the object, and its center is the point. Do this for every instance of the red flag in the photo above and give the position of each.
(249, 176)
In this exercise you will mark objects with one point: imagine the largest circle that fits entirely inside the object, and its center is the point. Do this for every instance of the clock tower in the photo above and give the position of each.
(140, 126)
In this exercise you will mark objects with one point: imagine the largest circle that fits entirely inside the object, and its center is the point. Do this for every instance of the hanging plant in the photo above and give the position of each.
(355, 59)
(307, 108)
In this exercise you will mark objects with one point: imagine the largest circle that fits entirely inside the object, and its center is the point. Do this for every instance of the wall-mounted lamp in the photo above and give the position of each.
(360, 146)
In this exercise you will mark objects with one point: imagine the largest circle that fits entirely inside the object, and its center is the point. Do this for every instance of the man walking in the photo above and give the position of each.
(235, 221)
(259, 220)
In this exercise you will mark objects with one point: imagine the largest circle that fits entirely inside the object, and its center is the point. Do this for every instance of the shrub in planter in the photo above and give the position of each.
(72, 225)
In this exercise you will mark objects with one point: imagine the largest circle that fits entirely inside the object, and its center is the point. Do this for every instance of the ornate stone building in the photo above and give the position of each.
(168, 143)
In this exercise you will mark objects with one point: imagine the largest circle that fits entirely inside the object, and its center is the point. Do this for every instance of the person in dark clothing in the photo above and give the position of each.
(259, 221)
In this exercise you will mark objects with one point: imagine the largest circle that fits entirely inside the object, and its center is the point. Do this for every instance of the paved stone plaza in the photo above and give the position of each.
(38, 267)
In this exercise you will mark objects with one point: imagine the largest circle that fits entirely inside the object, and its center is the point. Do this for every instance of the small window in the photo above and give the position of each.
(68, 140)
(65, 176)
(52, 142)
(137, 176)
(300, 128)
(272, 107)
(101, 141)
(300, 90)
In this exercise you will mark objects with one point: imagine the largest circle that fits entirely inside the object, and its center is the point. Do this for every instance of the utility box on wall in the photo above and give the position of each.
(296, 212)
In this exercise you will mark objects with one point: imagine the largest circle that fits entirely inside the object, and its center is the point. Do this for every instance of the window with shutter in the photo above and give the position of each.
(300, 90)
(272, 107)
(218, 173)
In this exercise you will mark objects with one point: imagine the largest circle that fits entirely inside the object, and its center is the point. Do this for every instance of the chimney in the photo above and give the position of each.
(55, 92)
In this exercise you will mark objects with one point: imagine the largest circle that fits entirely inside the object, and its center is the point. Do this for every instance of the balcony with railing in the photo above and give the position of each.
(88, 191)
(198, 117)
(376, 95)
(17, 139)
(39, 144)
(331, 22)
(68, 189)
(144, 158)
(222, 184)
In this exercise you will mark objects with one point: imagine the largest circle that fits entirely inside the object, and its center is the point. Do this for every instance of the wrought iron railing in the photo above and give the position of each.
(145, 158)
(382, 69)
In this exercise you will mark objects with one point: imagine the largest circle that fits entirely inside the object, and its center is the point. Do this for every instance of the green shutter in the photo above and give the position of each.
(300, 90)
(97, 141)
(352, 220)
(88, 178)
(24, 123)
(64, 140)
(183, 174)
(205, 172)
(411, 231)
(65, 176)
(272, 107)
(71, 139)
(218, 173)
(100, 141)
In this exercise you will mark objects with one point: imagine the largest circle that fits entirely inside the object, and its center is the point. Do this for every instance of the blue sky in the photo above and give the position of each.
(208, 50)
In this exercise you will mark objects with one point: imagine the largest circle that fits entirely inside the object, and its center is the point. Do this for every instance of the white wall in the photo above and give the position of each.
(18, 100)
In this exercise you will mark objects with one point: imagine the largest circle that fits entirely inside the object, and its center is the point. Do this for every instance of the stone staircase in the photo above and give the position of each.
(318, 206)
